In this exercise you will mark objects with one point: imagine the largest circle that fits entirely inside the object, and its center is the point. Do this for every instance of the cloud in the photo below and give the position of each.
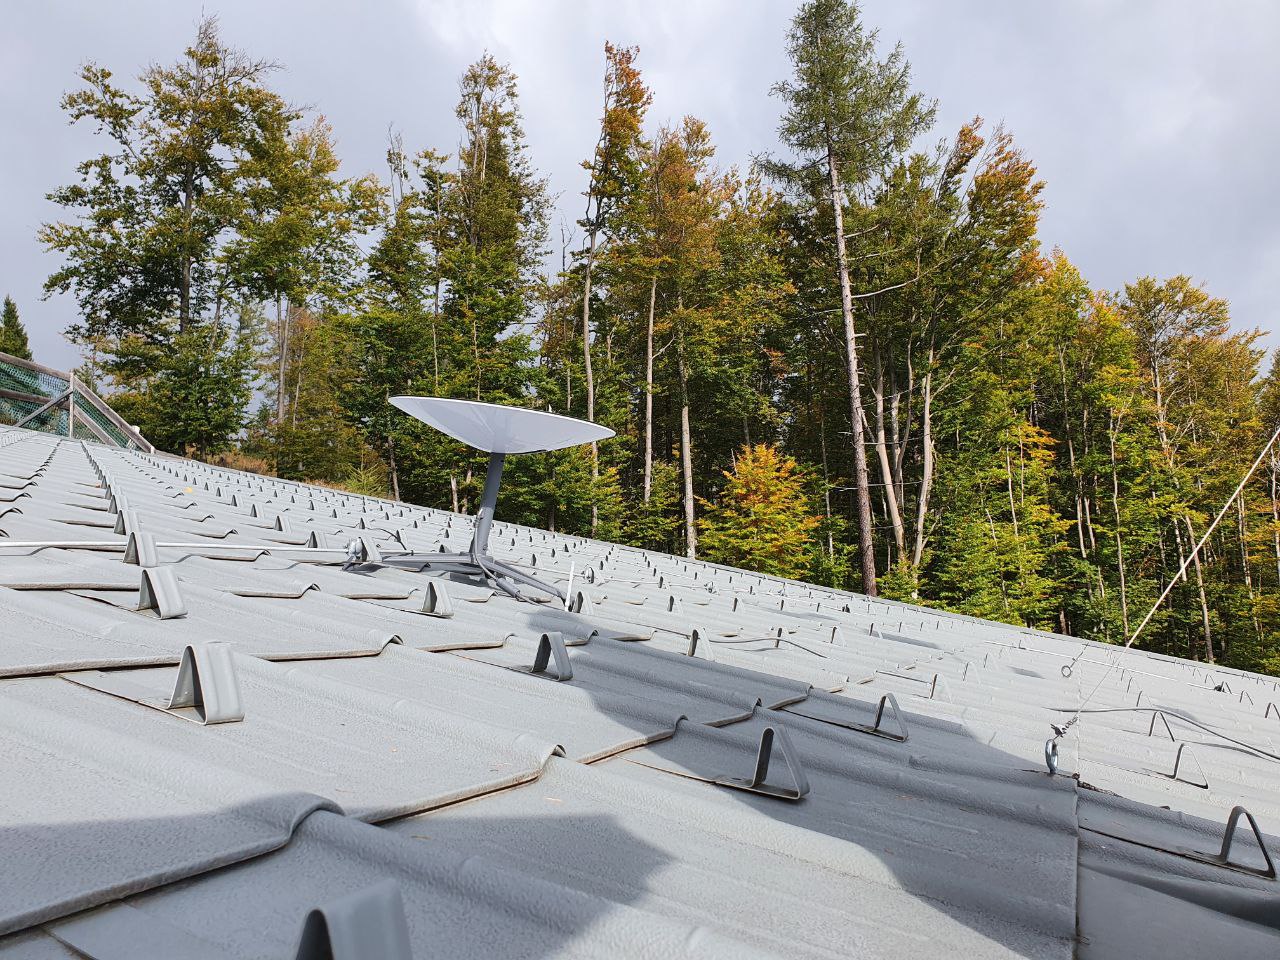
(1151, 120)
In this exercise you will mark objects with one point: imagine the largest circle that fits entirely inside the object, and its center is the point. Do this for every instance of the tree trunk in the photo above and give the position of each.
(648, 394)
(862, 489)
(926, 467)
(435, 345)
(1247, 572)
(1115, 506)
(475, 352)
(395, 475)
(1167, 448)
(1275, 513)
(589, 376)
(1204, 602)
(282, 320)
(886, 468)
(826, 480)
(184, 282)
(686, 458)
(899, 435)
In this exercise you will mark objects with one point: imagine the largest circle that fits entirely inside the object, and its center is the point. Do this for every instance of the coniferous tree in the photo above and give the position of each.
(848, 114)
(763, 519)
(13, 335)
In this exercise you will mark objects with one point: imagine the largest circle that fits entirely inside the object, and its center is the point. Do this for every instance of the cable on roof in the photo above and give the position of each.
(1171, 713)
(1060, 732)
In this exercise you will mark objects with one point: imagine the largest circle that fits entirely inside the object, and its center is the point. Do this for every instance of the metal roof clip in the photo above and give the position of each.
(700, 638)
(141, 550)
(674, 605)
(939, 685)
(282, 523)
(1229, 836)
(583, 604)
(159, 592)
(549, 646)
(207, 683)
(1192, 761)
(1151, 729)
(366, 925)
(756, 784)
(437, 602)
(126, 521)
(892, 702)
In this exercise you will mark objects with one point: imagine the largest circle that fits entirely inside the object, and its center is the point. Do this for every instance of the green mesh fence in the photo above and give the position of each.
(14, 377)
(104, 424)
(19, 378)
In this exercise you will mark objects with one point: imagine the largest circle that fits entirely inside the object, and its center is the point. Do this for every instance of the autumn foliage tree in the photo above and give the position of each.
(763, 519)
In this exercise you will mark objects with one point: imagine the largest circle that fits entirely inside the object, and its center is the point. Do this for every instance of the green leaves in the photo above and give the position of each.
(196, 395)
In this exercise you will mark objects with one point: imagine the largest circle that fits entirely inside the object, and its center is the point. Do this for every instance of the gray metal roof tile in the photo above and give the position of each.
(955, 839)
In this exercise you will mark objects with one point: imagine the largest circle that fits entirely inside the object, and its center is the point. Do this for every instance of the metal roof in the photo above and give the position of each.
(222, 736)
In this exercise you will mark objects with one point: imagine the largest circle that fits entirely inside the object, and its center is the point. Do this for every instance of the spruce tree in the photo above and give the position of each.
(763, 520)
(13, 335)
(850, 115)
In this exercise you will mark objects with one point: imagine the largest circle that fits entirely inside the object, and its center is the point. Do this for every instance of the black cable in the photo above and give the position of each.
(1172, 713)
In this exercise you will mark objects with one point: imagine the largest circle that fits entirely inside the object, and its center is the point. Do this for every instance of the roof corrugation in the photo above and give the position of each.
(583, 810)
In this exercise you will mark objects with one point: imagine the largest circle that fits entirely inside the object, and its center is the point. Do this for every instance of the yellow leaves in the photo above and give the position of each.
(763, 519)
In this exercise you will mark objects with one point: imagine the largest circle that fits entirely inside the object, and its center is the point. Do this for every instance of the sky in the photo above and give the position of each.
(1153, 121)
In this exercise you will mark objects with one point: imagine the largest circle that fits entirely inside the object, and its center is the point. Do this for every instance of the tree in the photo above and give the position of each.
(453, 281)
(13, 335)
(763, 520)
(853, 114)
(197, 400)
(296, 242)
(208, 201)
(614, 169)
(157, 210)
(1198, 375)
(689, 199)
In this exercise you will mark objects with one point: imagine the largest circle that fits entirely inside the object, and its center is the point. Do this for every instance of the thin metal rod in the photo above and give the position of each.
(1216, 520)
(121, 544)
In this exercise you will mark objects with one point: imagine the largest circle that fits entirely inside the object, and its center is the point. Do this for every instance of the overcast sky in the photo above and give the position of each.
(1153, 121)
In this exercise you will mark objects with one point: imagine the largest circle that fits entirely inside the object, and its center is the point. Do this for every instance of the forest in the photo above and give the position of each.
(851, 362)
